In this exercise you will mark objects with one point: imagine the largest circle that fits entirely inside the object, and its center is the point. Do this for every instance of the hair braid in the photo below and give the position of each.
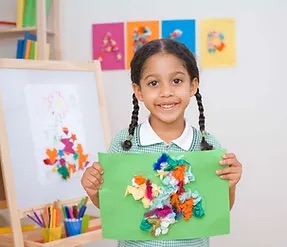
(127, 144)
(204, 144)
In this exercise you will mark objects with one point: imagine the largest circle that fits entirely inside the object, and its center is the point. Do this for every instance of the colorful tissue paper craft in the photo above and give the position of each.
(217, 43)
(175, 34)
(182, 198)
(139, 33)
(168, 203)
(108, 45)
(141, 36)
(180, 30)
(70, 158)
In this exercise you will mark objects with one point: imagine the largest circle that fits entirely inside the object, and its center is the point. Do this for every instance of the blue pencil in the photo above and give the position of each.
(82, 211)
(67, 212)
(37, 217)
(38, 223)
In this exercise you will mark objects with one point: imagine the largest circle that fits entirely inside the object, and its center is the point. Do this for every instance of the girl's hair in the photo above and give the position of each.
(140, 57)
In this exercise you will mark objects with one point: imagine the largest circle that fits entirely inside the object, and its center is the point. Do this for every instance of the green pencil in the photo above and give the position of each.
(81, 202)
(64, 212)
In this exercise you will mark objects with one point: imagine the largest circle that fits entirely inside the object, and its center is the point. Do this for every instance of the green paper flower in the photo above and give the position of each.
(63, 170)
(145, 225)
(173, 163)
(198, 210)
(76, 156)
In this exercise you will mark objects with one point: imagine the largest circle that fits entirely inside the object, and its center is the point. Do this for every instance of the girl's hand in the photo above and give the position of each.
(92, 179)
(231, 173)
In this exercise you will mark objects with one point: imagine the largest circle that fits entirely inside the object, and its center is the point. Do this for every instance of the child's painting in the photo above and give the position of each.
(163, 196)
(139, 33)
(59, 141)
(108, 45)
(217, 43)
(180, 30)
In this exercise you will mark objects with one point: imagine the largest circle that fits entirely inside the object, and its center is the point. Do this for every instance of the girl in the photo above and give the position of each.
(164, 77)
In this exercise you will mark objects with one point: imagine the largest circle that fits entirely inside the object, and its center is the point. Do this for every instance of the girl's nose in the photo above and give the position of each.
(166, 91)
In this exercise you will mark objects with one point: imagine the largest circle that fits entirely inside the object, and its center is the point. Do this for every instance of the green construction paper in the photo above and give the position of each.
(121, 215)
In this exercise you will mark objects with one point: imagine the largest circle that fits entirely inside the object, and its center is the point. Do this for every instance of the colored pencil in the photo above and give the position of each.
(38, 223)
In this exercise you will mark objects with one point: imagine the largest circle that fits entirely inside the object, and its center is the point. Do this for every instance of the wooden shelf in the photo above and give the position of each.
(41, 30)
(34, 238)
(20, 31)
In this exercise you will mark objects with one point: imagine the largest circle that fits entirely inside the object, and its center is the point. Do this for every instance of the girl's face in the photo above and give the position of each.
(165, 88)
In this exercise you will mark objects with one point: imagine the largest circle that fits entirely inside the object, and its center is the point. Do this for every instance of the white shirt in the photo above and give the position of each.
(149, 137)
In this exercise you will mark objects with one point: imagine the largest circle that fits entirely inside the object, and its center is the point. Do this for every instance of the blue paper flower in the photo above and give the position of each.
(162, 159)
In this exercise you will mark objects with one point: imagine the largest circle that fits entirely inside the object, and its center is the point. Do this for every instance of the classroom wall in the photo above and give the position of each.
(243, 105)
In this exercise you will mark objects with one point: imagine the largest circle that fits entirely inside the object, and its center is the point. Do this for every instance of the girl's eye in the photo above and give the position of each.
(177, 81)
(153, 83)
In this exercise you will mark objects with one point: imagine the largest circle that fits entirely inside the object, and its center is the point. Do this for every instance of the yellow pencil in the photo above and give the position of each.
(54, 217)
(51, 216)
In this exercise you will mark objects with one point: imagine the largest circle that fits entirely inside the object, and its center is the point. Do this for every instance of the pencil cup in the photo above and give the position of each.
(73, 227)
(51, 234)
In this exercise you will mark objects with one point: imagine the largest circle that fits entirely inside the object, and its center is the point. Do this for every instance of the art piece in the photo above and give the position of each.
(54, 111)
(53, 128)
(180, 30)
(108, 45)
(163, 196)
(139, 33)
(169, 202)
(69, 157)
(217, 43)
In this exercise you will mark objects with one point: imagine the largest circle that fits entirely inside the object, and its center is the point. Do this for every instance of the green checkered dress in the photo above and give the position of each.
(160, 147)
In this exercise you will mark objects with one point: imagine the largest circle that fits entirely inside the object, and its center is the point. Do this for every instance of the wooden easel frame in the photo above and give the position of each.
(17, 238)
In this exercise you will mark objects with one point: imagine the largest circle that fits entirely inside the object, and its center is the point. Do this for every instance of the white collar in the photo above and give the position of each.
(149, 137)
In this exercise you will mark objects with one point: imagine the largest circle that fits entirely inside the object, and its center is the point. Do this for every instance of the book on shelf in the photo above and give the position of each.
(27, 12)
(27, 48)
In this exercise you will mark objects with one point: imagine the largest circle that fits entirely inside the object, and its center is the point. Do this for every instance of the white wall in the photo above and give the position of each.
(244, 104)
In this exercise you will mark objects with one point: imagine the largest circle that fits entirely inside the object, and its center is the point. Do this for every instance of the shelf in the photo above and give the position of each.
(34, 238)
(45, 33)
(20, 31)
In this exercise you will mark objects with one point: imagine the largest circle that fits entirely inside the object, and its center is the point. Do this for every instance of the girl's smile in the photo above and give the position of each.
(168, 106)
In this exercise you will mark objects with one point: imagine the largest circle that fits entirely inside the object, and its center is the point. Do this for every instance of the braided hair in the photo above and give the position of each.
(127, 144)
(204, 144)
(140, 57)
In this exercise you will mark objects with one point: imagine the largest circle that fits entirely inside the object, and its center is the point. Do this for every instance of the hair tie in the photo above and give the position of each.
(204, 134)
(129, 137)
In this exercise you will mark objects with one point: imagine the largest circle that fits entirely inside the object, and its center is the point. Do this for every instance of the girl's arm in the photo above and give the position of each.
(92, 181)
(232, 173)
(95, 200)
(232, 195)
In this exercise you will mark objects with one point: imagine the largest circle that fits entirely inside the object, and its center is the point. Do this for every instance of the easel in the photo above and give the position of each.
(2, 192)
(7, 188)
